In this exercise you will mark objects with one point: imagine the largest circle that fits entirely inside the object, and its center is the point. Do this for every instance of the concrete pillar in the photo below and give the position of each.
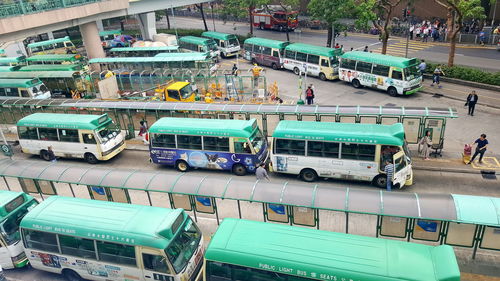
(50, 35)
(100, 26)
(92, 42)
(147, 24)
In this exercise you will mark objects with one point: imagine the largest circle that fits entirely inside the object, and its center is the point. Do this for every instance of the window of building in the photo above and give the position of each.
(78, 247)
(27, 133)
(323, 149)
(47, 134)
(39, 240)
(313, 59)
(163, 140)
(381, 70)
(116, 253)
(216, 143)
(364, 67)
(291, 147)
(68, 135)
(301, 57)
(189, 142)
(289, 54)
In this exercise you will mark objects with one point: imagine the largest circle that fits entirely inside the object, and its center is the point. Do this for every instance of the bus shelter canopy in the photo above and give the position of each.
(447, 207)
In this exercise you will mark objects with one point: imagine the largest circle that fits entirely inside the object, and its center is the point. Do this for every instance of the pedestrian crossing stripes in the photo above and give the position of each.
(398, 47)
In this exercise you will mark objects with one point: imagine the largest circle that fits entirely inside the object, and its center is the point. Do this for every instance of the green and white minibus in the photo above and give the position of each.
(100, 240)
(317, 61)
(55, 59)
(396, 75)
(12, 61)
(341, 150)
(13, 207)
(245, 250)
(91, 137)
(24, 87)
(265, 51)
(142, 51)
(54, 46)
(227, 44)
(199, 44)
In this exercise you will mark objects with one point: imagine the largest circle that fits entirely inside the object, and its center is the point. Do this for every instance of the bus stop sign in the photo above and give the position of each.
(7, 150)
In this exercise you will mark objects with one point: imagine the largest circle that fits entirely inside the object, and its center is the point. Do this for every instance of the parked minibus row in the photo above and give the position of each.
(305, 148)
(134, 242)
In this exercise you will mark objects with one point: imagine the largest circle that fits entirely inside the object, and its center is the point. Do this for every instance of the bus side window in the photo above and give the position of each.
(241, 146)
(48, 134)
(217, 271)
(324, 62)
(292, 147)
(155, 263)
(27, 133)
(89, 138)
(396, 74)
(116, 253)
(266, 51)
(68, 135)
(313, 59)
(276, 54)
(25, 93)
(387, 152)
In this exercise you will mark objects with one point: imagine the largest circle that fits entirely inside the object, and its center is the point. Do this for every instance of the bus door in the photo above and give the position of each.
(402, 170)
(5, 256)
(155, 266)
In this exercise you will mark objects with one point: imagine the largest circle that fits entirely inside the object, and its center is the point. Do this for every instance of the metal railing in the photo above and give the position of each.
(11, 8)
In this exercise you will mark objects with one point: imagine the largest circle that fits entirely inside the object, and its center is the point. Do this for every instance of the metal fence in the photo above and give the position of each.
(11, 8)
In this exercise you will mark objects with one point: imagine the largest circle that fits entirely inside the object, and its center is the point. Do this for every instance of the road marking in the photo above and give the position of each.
(489, 163)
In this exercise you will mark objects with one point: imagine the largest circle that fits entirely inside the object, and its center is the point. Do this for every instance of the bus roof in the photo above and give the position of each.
(341, 132)
(9, 68)
(218, 35)
(55, 57)
(380, 59)
(49, 42)
(65, 121)
(6, 60)
(266, 42)
(19, 82)
(205, 127)
(110, 32)
(52, 67)
(162, 57)
(106, 221)
(2, 51)
(324, 255)
(39, 74)
(145, 49)
(7, 197)
(196, 40)
(314, 50)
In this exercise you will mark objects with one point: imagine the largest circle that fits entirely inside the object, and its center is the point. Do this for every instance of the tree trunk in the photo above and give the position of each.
(385, 38)
(453, 44)
(203, 16)
(333, 35)
(329, 38)
(168, 19)
(250, 9)
(287, 31)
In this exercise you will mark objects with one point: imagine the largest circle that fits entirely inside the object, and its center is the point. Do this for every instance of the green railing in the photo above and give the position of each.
(12, 8)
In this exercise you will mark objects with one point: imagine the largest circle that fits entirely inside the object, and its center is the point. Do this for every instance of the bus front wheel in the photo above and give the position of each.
(70, 275)
(44, 154)
(308, 175)
(356, 84)
(322, 76)
(380, 181)
(296, 71)
(182, 166)
(392, 91)
(274, 66)
(90, 158)
(239, 170)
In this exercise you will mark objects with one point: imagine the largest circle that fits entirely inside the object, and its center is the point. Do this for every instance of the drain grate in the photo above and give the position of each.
(360, 92)
(389, 104)
(489, 175)
(437, 96)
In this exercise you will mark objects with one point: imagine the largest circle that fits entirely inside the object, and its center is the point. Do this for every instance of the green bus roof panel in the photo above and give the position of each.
(39, 74)
(341, 132)
(162, 57)
(197, 40)
(7, 196)
(204, 127)
(324, 255)
(55, 57)
(110, 32)
(266, 42)
(48, 42)
(7, 60)
(2, 51)
(477, 209)
(145, 49)
(314, 50)
(218, 35)
(19, 83)
(102, 220)
(9, 68)
(65, 121)
(379, 59)
(52, 67)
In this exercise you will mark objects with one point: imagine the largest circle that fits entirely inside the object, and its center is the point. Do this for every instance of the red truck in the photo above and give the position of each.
(276, 19)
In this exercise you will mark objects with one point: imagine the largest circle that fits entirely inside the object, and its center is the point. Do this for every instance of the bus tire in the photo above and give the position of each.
(308, 175)
(392, 91)
(90, 158)
(322, 76)
(70, 275)
(296, 71)
(44, 154)
(261, 26)
(182, 166)
(254, 61)
(380, 181)
(239, 170)
(356, 84)
(274, 66)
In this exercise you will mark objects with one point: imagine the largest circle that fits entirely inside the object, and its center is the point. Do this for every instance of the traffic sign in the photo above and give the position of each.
(6, 149)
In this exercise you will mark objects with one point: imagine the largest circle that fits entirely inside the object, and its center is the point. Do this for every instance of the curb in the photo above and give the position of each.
(455, 170)
(466, 83)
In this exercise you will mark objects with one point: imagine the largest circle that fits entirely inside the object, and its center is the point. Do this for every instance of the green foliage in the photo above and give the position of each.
(330, 11)
(467, 74)
(239, 8)
(366, 13)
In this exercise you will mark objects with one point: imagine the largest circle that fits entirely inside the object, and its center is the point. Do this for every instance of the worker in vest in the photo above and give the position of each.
(256, 73)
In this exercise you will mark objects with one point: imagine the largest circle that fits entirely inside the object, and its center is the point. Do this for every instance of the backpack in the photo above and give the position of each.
(309, 93)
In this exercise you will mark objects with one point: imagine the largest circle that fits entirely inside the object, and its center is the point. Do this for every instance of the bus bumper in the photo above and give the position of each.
(412, 91)
(115, 152)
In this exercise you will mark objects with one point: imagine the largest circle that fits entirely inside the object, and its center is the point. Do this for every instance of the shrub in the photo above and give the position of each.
(467, 74)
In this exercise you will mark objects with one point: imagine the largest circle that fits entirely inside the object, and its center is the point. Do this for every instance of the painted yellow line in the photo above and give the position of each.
(402, 48)
(409, 47)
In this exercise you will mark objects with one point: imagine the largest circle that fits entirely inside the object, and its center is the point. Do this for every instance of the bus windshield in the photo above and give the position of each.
(212, 46)
(183, 246)
(109, 132)
(257, 140)
(411, 73)
(10, 226)
(233, 42)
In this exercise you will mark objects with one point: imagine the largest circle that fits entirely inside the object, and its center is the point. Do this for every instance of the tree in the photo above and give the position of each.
(330, 11)
(458, 11)
(379, 13)
(241, 8)
(200, 6)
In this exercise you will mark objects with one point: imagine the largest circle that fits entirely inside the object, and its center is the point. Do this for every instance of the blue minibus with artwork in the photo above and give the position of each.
(235, 145)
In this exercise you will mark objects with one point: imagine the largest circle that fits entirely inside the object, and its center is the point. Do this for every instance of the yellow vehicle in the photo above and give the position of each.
(177, 91)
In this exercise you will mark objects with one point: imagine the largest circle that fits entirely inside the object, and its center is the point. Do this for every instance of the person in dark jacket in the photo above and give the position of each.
(52, 156)
(471, 102)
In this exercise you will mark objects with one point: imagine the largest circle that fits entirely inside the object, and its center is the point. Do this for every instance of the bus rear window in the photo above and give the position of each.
(12, 205)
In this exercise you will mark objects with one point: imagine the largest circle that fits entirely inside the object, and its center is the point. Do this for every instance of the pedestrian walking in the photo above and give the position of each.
(412, 28)
(436, 76)
(425, 146)
(426, 34)
(366, 49)
(261, 173)
(143, 132)
(337, 46)
(482, 144)
(482, 38)
(234, 71)
(421, 68)
(472, 99)
(310, 95)
(389, 171)
(50, 153)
